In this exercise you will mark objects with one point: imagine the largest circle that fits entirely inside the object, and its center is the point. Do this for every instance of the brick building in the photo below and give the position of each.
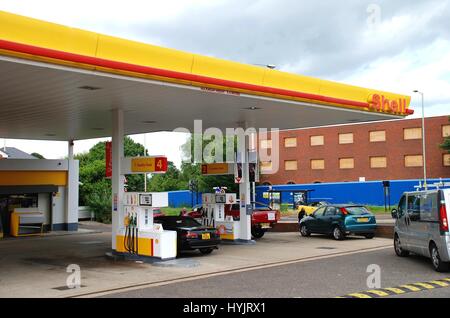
(387, 150)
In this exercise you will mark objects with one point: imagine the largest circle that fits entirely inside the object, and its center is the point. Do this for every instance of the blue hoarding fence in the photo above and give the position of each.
(367, 193)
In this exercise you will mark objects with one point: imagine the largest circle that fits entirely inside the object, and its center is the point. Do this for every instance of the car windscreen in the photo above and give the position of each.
(357, 210)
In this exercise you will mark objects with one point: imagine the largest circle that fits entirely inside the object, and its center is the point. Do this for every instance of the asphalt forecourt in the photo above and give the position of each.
(42, 267)
(331, 277)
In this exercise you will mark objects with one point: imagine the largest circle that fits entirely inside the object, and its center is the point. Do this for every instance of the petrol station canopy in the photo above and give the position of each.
(61, 83)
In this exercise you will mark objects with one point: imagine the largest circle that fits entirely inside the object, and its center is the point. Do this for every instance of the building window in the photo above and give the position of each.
(317, 164)
(377, 136)
(378, 162)
(290, 142)
(412, 133)
(446, 160)
(446, 131)
(345, 139)
(290, 165)
(266, 166)
(412, 161)
(317, 140)
(266, 144)
(346, 163)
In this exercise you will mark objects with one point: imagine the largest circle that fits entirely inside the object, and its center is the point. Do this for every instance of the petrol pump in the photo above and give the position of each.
(137, 234)
(214, 213)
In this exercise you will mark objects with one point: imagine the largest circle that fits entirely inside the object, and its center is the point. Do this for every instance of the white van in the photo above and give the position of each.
(422, 227)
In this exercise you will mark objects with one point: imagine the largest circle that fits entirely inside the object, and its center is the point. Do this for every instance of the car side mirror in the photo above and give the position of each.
(394, 214)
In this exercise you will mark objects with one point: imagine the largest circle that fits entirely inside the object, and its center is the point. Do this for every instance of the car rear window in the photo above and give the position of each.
(178, 222)
(357, 210)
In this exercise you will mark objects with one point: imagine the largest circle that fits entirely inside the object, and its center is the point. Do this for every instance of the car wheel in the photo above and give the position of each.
(206, 251)
(369, 236)
(304, 231)
(398, 247)
(338, 235)
(438, 264)
(257, 232)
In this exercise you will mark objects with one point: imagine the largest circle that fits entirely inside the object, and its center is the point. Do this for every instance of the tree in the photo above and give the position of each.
(95, 189)
(192, 171)
(446, 144)
(169, 181)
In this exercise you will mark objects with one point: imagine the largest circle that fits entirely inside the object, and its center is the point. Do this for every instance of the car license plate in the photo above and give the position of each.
(206, 236)
(271, 216)
(363, 220)
(265, 225)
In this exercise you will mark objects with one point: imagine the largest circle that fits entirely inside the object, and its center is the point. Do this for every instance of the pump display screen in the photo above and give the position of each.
(145, 200)
(221, 198)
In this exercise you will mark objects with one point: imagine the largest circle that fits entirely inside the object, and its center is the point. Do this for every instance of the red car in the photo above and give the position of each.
(263, 217)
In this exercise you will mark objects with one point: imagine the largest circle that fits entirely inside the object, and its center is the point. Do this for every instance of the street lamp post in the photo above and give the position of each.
(425, 184)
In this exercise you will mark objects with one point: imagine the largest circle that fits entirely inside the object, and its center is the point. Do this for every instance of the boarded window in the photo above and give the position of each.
(413, 161)
(290, 165)
(412, 133)
(317, 164)
(290, 142)
(346, 138)
(346, 163)
(447, 160)
(266, 144)
(446, 131)
(266, 166)
(317, 140)
(377, 136)
(378, 162)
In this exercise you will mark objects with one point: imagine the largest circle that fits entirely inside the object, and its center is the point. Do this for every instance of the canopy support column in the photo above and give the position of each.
(244, 193)
(117, 177)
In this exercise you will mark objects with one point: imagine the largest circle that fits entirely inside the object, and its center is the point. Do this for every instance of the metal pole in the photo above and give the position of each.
(424, 145)
(145, 153)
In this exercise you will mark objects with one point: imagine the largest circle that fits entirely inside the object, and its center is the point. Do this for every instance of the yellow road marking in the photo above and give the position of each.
(359, 295)
(442, 284)
(425, 285)
(378, 292)
(414, 287)
(396, 290)
(411, 288)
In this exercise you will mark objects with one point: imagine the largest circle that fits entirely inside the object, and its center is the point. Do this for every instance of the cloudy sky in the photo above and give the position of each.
(394, 45)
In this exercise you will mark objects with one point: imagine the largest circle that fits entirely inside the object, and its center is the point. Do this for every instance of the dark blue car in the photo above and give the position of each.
(339, 221)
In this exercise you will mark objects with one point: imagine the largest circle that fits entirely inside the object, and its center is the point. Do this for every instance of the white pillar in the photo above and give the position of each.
(70, 149)
(72, 192)
(117, 177)
(244, 194)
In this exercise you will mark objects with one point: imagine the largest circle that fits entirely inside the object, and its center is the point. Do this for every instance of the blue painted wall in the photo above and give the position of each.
(368, 193)
(179, 199)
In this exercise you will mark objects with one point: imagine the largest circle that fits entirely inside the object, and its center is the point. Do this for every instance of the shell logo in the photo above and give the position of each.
(381, 103)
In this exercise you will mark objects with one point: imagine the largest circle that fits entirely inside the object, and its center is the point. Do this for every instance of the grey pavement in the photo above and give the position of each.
(330, 277)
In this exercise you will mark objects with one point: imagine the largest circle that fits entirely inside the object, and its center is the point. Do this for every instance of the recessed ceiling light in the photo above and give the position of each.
(89, 88)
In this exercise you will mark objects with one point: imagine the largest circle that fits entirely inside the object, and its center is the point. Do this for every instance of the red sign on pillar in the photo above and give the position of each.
(108, 159)
(161, 164)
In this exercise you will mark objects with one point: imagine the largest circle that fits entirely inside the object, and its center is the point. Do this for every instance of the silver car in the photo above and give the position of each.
(422, 227)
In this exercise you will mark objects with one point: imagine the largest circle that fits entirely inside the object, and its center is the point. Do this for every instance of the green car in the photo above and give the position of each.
(339, 221)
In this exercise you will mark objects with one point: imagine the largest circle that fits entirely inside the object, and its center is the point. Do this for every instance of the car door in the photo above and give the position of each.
(402, 222)
(314, 221)
(327, 221)
(413, 223)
